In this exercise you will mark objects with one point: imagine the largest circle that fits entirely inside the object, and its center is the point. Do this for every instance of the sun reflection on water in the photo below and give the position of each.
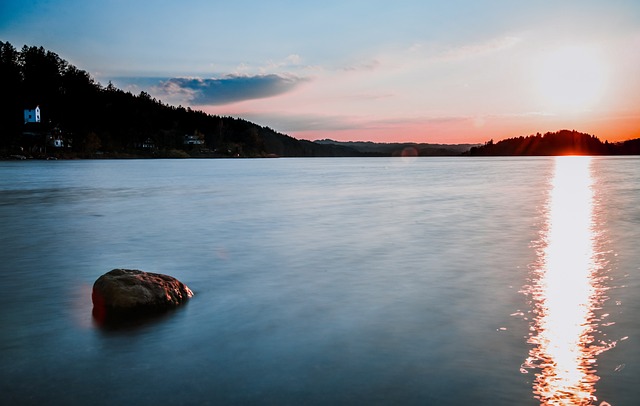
(566, 291)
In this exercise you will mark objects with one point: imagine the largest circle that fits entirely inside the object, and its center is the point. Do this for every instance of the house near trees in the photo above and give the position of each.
(193, 139)
(32, 116)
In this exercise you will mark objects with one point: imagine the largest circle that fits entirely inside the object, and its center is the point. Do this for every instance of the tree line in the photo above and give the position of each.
(95, 119)
(104, 119)
(563, 142)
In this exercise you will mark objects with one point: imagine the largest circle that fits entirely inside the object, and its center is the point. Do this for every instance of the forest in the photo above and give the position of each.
(81, 118)
(563, 142)
(90, 120)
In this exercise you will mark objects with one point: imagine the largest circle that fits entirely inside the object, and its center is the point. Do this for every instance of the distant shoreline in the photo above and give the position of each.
(126, 157)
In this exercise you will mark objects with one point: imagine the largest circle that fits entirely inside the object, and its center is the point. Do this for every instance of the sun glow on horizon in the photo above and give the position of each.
(571, 79)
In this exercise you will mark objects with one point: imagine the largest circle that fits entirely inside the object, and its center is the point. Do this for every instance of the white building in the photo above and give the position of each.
(192, 140)
(55, 141)
(32, 116)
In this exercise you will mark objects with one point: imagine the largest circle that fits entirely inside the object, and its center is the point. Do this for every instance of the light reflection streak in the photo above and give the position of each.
(566, 290)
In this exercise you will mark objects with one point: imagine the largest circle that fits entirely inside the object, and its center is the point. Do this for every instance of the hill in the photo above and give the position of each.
(563, 142)
(82, 118)
(79, 117)
(369, 148)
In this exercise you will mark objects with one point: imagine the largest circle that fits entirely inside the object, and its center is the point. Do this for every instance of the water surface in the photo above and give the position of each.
(317, 281)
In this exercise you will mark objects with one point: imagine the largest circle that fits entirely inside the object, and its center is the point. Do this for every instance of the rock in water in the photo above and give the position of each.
(129, 292)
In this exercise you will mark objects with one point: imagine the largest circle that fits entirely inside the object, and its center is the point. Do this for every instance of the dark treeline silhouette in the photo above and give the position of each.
(563, 142)
(368, 148)
(93, 119)
(82, 118)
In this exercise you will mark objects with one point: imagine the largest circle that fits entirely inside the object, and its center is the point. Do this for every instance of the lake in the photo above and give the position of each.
(416, 281)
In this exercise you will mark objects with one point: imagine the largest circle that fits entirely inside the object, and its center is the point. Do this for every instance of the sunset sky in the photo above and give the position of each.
(424, 71)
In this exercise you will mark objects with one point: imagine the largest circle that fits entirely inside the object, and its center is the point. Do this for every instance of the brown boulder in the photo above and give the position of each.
(131, 292)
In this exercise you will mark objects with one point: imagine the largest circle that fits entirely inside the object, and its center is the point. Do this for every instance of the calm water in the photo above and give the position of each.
(437, 281)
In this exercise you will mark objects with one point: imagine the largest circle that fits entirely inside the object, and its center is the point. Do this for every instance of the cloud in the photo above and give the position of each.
(363, 66)
(295, 123)
(293, 60)
(478, 49)
(303, 122)
(435, 52)
(228, 89)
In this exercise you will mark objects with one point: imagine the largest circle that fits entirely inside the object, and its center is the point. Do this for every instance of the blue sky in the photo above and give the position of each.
(454, 71)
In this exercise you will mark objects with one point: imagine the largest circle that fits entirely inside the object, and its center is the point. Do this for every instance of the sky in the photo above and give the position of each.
(456, 71)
